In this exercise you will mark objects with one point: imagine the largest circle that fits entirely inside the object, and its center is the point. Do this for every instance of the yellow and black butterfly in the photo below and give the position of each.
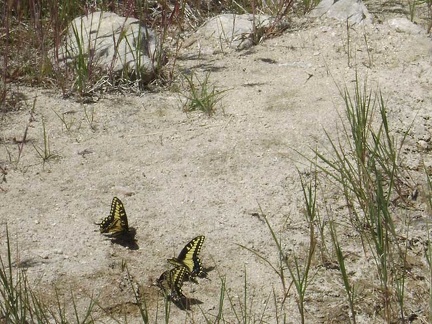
(188, 258)
(171, 282)
(116, 222)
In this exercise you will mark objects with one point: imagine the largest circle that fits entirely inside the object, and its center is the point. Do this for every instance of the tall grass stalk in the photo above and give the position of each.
(45, 152)
(84, 64)
(242, 306)
(89, 114)
(299, 270)
(279, 269)
(141, 302)
(365, 167)
(232, 303)
(429, 262)
(300, 273)
(428, 248)
(67, 122)
(21, 143)
(219, 316)
(349, 288)
(142, 70)
(19, 303)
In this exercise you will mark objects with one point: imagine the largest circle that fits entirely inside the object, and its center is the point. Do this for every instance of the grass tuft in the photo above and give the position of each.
(364, 166)
(202, 95)
(19, 303)
(45, 152)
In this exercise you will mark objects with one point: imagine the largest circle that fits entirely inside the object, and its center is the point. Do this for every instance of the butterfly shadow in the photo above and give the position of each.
(203, 275)
(127, 239)
(206, 271)
(186, 303)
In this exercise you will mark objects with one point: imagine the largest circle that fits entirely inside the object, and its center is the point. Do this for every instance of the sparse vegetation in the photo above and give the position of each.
(68, 120)
(20, 303)
(45, 152)
(33, 44)
(202, 95)
(362, 166)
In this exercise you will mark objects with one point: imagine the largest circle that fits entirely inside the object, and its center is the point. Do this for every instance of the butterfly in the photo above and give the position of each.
(172, 281)
(116, 222)
(188, 258)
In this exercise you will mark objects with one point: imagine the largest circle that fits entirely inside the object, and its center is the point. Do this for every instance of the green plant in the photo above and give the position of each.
(83, 64)
(89, 114)
(219, 315)
(349, 288)
(45, 152)
(21, 142)
(412, 5)
(21, 304)
(368, 51)
(299, 273)
(428, 247)
(16, 303)
(308, 5)
(143, 69)
(61, 313)
(141, 302)
(243, 306)
(67, 119)
(201, 96)
(365, 167)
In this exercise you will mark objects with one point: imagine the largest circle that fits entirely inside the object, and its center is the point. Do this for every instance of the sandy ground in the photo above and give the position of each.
(182, 175)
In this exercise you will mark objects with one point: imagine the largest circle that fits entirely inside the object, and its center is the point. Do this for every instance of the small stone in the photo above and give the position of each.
(422, 145)
(44, 255)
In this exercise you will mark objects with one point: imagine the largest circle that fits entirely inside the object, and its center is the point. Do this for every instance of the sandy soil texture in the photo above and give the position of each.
(181, 175)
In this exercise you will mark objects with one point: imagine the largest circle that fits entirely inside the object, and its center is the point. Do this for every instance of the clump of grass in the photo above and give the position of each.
(428, 245)
(23, 140)
(90, 117)
(364, 166)
(30, 30)
(340, 258)
(299, 268)
(34, 30)
(83, 65)
(242, 306)
(201, 95)
(19, 303)
(45, 152)
(67, 120)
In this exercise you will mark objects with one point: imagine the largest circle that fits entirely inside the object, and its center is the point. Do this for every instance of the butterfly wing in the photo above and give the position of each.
(189, 259)
(172, 281)
(116, 222)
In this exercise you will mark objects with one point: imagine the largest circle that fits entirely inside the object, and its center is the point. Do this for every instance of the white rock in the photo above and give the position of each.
(353, 10)
(422, 144)
(111, 42)
(235, 30)
(403, 25)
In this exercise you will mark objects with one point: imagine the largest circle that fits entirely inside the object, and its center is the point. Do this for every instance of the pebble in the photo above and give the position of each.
(422, 144)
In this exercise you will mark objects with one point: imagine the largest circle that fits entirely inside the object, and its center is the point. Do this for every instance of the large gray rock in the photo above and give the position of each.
(353, 10)
(403, 25)
(111, 42)
(236, 31)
